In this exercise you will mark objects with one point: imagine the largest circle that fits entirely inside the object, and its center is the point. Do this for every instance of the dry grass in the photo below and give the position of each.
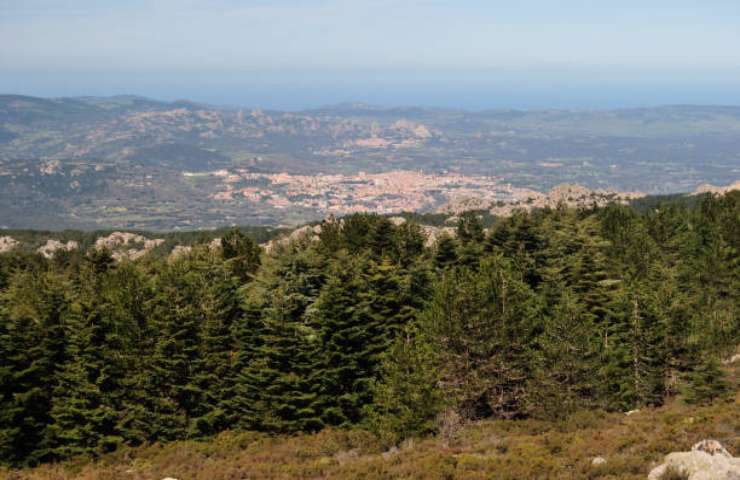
(530, 449)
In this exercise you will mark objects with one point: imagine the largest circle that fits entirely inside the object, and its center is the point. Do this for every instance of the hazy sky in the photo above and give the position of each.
(304, 52)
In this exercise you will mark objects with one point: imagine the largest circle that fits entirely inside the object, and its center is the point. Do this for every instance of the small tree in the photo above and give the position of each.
(707, 383)
(407, 399)
(241, 254)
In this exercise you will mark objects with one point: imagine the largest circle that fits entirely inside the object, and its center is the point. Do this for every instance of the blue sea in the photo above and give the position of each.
(476, 91)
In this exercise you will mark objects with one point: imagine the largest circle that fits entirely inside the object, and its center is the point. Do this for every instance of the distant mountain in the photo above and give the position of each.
(122, 161)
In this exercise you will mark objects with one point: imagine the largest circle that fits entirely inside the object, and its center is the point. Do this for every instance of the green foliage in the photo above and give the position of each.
(564, 381)
(483, 325)
(636, 356)
(282, 376)
(350, 344)
(32, 353)
(445, 254)
(408, 399)
(546, 314)
(241, 254)
(707, 383)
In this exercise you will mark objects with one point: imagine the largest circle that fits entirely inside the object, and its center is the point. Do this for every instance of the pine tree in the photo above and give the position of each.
(409, 244)
(471, 235)
(32, 351)
(636, 359)
(84, 417)
(244, 402)
(407, 398)
(564, 379)
(483, 325)
(166, 385)
(707, 383)
(445, 254)
(213, 371)
(346, 366)
(282, 374)
(241, 254)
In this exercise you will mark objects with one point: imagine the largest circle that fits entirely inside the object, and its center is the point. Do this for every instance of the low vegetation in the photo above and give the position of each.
(502, 449)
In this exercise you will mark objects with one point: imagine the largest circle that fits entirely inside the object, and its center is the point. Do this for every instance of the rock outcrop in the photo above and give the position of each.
(570, 195)
(117, 239)
(310, 233)
(307, 232)
(717, 190)
(433, 234)
(179, 251)
(52, 246)
(732, 359)
(8, 243)
(117, 242)
(707, 460)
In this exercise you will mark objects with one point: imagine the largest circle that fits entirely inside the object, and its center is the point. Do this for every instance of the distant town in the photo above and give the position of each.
(387, 192)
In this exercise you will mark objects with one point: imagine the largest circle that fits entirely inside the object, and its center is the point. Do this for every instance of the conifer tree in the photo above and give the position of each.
(124, 304)
(285, 370)
(409, 244)
(407, 398)
(564, 379)
(561, 309)
(390, 299)
(636, 364)
(445, 254)
(707, 383)
(169, 392)
(212, 371)
(483, 325)
(383, 240)
(519, 239)
(241, 254)
(32, 351)
(282, 376)
(84, 405)
(346, 364)
(244, 405)
(359, 313)
(471, 235)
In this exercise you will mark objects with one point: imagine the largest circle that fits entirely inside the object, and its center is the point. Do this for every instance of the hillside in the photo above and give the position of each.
(506, 450)
(131, 162)
(549, 324)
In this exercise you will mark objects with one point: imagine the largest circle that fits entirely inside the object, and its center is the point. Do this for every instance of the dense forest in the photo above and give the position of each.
(541, 315)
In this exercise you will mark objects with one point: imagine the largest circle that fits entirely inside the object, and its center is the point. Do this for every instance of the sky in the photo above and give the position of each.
(292, 54)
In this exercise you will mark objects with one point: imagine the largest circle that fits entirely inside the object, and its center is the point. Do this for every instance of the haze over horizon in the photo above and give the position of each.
(290, 54)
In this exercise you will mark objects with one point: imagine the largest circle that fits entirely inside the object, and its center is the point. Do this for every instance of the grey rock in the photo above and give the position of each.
(598, 461)
(707, 460)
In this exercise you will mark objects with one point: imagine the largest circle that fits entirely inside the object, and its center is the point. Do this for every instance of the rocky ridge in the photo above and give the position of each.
(570, 195)
(717, 190)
